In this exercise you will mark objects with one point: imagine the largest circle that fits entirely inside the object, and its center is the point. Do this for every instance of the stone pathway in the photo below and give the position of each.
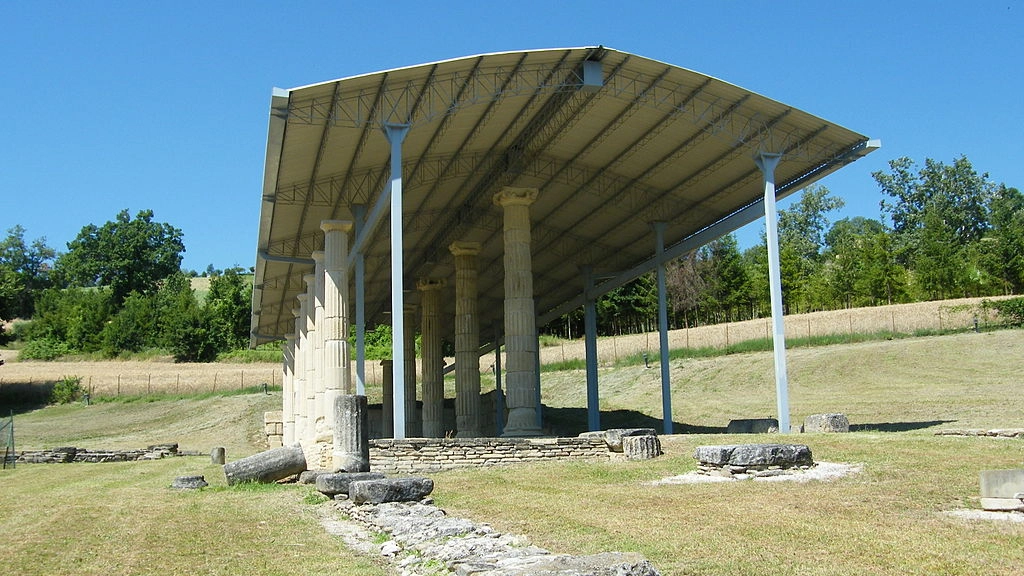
(422, 540)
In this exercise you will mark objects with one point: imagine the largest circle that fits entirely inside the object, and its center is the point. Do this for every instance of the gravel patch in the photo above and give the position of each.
(822, 471)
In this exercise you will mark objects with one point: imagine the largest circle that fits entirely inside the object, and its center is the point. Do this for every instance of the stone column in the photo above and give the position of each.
(323, 420)
(309, 312)
(288, 390)
(520, 317)
(337, 376)
(387, 384)
(413, 422)
(467, 341)
(432, 357)
(301, 353)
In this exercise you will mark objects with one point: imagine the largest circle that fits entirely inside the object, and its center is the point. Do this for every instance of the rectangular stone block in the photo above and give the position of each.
(1001, 483)
(1002, 504)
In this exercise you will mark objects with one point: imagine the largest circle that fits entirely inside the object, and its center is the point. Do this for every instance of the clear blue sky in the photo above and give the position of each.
(163, 106)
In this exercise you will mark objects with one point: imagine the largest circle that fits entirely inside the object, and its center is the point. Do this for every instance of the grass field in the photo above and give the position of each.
(888, 519)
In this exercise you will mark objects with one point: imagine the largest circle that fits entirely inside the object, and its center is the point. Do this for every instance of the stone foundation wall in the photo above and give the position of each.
(70, 454)
(273, 427)
(424, 455)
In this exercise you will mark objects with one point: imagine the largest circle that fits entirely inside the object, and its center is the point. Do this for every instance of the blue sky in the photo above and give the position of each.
(163, 106)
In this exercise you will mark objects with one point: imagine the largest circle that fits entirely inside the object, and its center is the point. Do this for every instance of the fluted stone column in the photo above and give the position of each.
(300, 368)
(288, 389)
(309, 311)
(467, 340)
(387, 384)
(323, 420)
(413, 422)
(337, 375)
(432, 357)
(520, 317)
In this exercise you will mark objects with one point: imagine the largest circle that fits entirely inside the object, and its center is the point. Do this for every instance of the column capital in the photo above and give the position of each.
(302, 297)
(336, 226)
(512, 196)
(463, 248)
(424, 284)
(297, 311)
(317, 256)
(309, 279)
(386, 363)
(290, 337)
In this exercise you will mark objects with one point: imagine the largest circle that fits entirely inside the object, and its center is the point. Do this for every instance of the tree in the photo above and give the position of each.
(229, 303)
(24, 272)
(126, 254)
(1002, 249)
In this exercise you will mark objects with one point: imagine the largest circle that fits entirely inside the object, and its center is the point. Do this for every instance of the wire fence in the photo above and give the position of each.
(7, 433)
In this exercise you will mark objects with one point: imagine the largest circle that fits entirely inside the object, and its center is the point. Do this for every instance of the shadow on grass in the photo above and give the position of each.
(567, 422)
(897, 426)
(21, 397)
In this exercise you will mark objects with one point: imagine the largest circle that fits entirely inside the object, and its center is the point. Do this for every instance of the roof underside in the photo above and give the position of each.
(612, 140)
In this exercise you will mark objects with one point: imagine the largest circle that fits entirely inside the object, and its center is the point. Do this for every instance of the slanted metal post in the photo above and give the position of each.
(590, 345)
(396, 134)
(767, 162)
(666, 382)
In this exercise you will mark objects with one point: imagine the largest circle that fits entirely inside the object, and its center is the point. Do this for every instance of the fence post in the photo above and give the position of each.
(118, 384)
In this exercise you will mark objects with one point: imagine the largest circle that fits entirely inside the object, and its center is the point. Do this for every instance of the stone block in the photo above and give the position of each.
(1002, 483)
(755, 455)
(833, 422)
(753, 426)
(338, 482)
(390, 490)
(218, 455)
(641, 447)
(613, 436)
(1002, 504)
(189, 483)
(269, 466)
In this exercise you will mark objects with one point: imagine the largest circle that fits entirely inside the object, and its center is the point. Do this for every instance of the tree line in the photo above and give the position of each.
(944, 230)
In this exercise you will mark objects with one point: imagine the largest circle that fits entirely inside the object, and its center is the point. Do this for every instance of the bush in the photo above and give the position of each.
(1011, 311)
(44, 349)
(67, 390)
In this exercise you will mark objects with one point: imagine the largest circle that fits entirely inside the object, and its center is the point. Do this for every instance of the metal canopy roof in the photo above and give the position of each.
(612, 140)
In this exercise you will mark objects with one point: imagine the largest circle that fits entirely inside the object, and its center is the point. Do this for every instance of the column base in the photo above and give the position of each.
(522, 422)
(468, 434)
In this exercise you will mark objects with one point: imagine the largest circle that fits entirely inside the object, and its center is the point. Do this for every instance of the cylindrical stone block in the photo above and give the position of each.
(432, 357)
(388, 399)
(641, 447)
(467, 340)
(351, 434)
(269, 466)
(217, 455)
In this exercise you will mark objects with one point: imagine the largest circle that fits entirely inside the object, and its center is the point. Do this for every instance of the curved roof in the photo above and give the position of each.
(612, 140)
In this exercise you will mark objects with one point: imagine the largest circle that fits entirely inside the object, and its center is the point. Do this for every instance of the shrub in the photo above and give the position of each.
(67, 390)
(44, 349)
(1011, 311)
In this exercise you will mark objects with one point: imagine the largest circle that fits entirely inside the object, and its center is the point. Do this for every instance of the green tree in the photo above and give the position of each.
(24, 272)
(1002, 248)
(229, 303)
(126, 254)
(74, 316)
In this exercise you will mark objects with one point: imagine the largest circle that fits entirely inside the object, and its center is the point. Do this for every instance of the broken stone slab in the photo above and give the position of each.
(310, 476)
(405, 489)
(335, 483)
(604, 564)
(641, 447)
(1002, 504)
(1002, 483)
(189, 483)
(268, 466)
(753, 426)
(826, 423)
(755, 455)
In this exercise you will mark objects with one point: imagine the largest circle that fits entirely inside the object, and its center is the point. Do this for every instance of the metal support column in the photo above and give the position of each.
(396, 134)
(590, 345)
(767, 162)
(359, 211)
(666, 383)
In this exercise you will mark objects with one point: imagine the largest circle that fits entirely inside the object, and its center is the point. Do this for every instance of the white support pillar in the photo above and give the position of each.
(301, 355)
(590, 345)
(396, 134)
(288, 389)
(311, 358)
(333, 331)
(666, 380)
(499, 393)
(520, 315)
(432, 357)
(467, 341)
(359, 211)
(767, 163)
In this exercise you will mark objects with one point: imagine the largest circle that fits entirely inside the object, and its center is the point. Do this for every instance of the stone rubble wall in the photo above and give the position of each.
(996, 433)
(70, 454)
(425, 455)
(273, 427)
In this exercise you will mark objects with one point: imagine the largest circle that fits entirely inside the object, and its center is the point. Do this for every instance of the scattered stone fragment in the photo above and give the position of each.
(614, 436)
(826, 423)
(753, 426)
(334, 483)
(189, 483)
(268, 466)
(406, 489)
(218, 455)
(641, 447)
